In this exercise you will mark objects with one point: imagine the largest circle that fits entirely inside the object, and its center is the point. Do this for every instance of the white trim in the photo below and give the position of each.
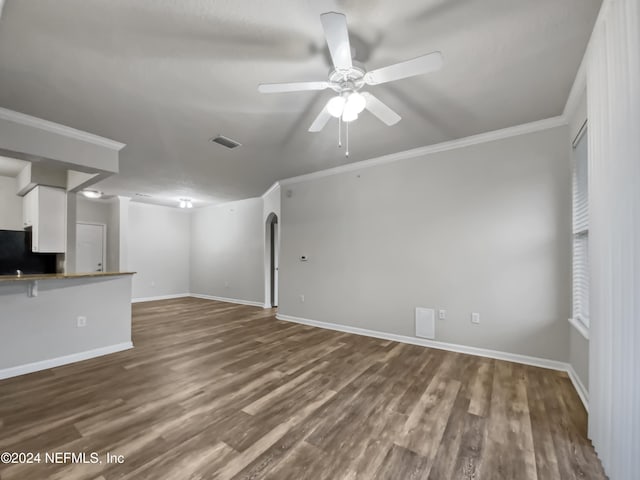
(63, 130)
(228, 300)
(160, 297)
(481, 352)
(436, 148)
(579, 386)
(580, 327)
(64, 360)
(271, 189)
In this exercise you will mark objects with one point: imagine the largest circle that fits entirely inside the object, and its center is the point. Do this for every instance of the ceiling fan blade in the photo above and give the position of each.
(337, 35)
(291, 87)
(321, 120)
(380, 110)
(419, 65)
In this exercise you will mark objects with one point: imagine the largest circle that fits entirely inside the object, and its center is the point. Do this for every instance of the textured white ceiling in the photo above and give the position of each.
(164, 76)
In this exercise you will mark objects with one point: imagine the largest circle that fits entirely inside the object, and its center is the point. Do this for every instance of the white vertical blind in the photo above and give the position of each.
(581, 231)
(613, 97)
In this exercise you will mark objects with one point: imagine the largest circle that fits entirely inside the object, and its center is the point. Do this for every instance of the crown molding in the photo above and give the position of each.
(58, 129)
(504, 133)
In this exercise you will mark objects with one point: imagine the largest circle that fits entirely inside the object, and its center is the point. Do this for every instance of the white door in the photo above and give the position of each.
(90, 247)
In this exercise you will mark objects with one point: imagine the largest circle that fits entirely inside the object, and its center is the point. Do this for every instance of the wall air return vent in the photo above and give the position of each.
(425, 322)
(225, 141)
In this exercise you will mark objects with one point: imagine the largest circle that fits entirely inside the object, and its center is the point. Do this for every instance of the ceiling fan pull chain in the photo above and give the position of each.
(346, 153)
(339, 132)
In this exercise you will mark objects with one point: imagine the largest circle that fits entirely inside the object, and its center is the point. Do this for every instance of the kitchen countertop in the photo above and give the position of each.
(58, 276)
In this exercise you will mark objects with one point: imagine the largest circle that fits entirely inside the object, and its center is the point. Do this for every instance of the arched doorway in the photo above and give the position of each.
(273, 242)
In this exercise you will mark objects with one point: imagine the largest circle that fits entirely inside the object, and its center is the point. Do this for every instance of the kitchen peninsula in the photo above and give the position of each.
(48, 320)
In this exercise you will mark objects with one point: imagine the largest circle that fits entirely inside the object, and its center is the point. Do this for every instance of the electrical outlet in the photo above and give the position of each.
(82, 322)
(153, 284)
(475, 317)
(302, 298)
(226, 284)
(442, 314)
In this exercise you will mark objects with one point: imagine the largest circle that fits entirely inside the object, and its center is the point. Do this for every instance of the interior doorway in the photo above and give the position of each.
(90, 247)
(273, 242)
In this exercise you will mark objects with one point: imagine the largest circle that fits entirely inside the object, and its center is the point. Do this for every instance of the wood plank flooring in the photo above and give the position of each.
(220, 391)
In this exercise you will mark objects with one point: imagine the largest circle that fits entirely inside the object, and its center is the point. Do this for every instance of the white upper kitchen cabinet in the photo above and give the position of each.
(45, 211)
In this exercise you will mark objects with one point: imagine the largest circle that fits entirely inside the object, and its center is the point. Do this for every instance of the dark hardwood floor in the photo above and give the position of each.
(220, 391)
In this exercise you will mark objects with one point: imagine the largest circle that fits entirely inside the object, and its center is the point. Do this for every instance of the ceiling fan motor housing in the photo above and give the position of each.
(349, 80)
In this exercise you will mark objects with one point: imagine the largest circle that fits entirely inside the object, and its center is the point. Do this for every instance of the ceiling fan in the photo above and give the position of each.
(347, 79)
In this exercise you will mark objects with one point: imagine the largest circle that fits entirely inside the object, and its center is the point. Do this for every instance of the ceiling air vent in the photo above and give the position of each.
(225, 141)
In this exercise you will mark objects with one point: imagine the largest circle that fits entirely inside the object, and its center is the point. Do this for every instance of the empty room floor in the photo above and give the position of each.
(216, 390)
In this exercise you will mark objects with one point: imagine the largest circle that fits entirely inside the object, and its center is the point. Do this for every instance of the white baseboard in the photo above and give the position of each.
(66, 359)
(160, 297)
(228, 300)
(452, 347)
(579, 386)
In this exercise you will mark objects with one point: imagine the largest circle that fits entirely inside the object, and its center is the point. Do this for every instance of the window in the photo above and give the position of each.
(581, 232)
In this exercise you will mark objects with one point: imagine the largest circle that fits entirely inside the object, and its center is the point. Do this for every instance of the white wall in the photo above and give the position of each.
(158, 250)
(10, 205)
(42, 328)
(484, 228)
(579, 356)
(227, 251)
(69, 265)
(113, 236)
(97, 211)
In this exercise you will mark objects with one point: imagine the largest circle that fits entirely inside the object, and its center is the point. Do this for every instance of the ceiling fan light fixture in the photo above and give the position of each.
(356, 102)
(335, 106)
(185, 203)
(92, 193)
(349, 115)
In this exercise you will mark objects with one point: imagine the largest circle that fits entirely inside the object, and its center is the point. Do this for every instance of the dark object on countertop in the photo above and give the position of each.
(16, 254)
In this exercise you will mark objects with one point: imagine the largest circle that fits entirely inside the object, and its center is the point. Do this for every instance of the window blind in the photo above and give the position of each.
(581, 231)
